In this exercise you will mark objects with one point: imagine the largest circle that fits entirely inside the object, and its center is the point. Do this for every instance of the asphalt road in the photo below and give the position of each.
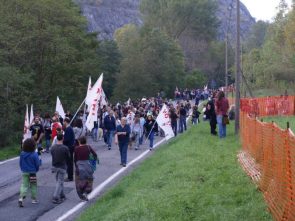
(10, 181)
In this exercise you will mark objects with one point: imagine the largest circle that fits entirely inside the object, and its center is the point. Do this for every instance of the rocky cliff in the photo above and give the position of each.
(106, 16)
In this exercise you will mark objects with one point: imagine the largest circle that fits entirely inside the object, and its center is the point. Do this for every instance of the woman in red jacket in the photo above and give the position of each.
(221, 108)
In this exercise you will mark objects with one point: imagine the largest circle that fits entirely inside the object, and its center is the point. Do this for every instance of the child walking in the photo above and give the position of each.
(29, 165)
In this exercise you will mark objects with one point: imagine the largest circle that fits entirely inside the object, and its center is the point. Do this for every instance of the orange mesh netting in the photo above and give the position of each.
(268, 153)
(269, 106)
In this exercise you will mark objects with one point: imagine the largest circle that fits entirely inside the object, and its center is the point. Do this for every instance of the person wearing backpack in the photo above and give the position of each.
(29, 164)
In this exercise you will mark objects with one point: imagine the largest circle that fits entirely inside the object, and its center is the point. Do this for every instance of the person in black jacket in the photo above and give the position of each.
(150, 128)
(69, 141)
(110, 127)
(211, 115)
(173, 117)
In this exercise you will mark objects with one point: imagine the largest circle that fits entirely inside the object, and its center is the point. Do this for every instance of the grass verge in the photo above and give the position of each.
(194, 177)
(281, 121)
(9, 152)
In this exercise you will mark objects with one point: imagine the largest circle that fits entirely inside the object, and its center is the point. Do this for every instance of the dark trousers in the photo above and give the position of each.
(174, 127)
(213, 127)
(123, 152)
(70, 164)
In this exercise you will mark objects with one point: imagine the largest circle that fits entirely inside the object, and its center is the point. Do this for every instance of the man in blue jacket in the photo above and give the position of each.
(110, 127)
(29, 164)
(69, 141)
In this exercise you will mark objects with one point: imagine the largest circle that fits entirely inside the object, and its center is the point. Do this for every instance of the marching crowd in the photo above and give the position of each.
(126, 125)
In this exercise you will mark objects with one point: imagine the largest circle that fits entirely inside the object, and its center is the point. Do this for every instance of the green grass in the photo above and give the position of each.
(281, 121)
(195, 177)
(9, 152)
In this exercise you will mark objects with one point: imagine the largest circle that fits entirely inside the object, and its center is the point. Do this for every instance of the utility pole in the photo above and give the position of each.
(226, 63)
(238, 73)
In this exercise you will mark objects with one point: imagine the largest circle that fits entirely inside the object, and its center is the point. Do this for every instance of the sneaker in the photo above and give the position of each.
(84, 198)
(34, 201)
(68, 180)
(63, 198)
(20, 202)
(110, 148)
(123, 165)
(151, 148)
(56, 201)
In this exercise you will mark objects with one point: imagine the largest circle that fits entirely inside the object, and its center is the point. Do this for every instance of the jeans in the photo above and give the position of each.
(110, 134)
(47, 144)
(94, 134)
(137, 139)
(182, 123)
(141, 140)
(123, 152)
(59, 187)
(221, 127)
(195, 120)
(27, 185)
(151, 138)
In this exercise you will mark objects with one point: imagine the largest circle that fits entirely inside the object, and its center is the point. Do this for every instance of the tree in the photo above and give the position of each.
(151, 62)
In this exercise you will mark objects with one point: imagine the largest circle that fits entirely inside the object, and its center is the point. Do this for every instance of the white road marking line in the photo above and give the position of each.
(99, 188)
(6, 161)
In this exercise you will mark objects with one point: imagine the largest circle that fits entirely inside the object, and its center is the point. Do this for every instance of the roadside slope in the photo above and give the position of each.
(194, 177)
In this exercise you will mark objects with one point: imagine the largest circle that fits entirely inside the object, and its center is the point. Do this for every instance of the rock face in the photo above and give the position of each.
(106, 16)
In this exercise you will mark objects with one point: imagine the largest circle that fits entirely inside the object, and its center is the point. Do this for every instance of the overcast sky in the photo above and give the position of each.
(263, 9)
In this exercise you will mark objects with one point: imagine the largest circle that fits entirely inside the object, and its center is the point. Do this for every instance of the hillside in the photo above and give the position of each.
(106, 16)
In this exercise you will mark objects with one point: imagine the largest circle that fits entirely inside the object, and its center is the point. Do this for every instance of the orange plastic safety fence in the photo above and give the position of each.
(273, 151)
(269, 106)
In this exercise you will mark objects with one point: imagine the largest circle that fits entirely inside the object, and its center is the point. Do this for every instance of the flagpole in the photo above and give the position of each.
(77, 111)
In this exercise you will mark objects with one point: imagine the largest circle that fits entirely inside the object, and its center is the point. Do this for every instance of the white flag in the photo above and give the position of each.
(94, 97)
(27, 133)
(164, 122)
(59, 108)
(31, 119)
(129, 102)
(103, 99)
(87, 100)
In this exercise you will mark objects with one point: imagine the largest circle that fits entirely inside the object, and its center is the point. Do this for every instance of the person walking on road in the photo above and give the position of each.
(110, 127)
(69, 141)
(150, 128)
(222, 106)
(122, 138)
(84, 170)
(60, 156)
(29, 164)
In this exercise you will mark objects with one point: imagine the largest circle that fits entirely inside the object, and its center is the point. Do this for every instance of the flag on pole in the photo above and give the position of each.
(103, 98)
(27, 133)
(164, 122)
(87, 100)
(59, 108)
(129, 102)
(94, 97)
(31, 119)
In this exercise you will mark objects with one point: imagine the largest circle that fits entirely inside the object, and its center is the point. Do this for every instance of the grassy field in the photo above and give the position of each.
(194, 177)
(282, 121)
(9, 152)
